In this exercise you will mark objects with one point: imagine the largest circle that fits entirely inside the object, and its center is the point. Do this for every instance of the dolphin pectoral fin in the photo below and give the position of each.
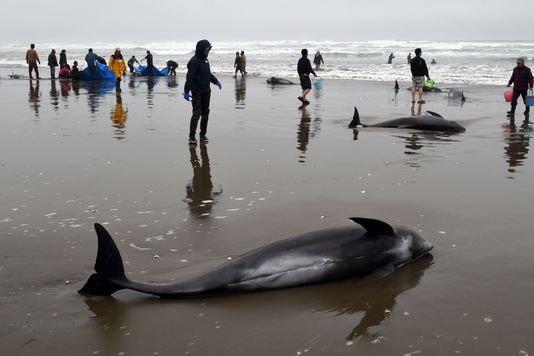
(434, 113)
(374, 226)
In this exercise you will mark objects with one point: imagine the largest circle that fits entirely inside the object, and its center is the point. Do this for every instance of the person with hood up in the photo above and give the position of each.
(117, 66)
(522, 80)
(52, 63)
(62, 58)
(197, 82)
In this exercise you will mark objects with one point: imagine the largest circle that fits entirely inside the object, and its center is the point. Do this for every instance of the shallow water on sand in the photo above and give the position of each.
(78, 154)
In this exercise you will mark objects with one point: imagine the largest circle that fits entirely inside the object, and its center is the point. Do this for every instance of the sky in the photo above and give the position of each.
(240, 20)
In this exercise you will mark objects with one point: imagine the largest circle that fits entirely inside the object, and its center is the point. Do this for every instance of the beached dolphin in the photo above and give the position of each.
(314, 257)
(431, 122)
(275, 80)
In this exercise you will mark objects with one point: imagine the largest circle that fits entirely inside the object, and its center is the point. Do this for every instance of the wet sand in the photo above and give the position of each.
(78, 154)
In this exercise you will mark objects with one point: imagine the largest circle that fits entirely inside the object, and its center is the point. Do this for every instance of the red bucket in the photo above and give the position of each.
(508, 95)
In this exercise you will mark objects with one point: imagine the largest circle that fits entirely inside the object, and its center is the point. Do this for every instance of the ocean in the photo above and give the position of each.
(457, 62)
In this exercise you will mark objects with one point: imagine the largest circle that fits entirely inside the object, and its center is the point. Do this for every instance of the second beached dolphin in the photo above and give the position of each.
(314, 257)
(430, 122)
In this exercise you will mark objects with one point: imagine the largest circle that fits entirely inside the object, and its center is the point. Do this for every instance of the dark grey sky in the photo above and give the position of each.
(164, 20)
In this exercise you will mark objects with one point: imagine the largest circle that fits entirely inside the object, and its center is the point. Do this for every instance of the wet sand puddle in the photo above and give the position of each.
(78, 154)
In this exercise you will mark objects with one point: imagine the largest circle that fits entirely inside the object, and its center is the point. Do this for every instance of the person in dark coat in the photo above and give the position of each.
(522, 80)
(171, 66)
(52, 63)
(304, 69)
(198, 79)
(149, 63)
(62, 58)
(75, 72)
(419, 72)
(318, 60)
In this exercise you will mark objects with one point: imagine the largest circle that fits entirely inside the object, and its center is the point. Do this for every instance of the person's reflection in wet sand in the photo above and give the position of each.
(517, 144)
(92, 96)
(54, 95)
(64, 87)
(150, 83)
(419, 110)
(76, 85)
(34, 97)
(303, 133)
(413, 144)
(172, 82)
(240, 92)
(199, 192)
(118, 117)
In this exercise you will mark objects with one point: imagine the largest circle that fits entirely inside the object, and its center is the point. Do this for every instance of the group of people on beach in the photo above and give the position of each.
(240, 64)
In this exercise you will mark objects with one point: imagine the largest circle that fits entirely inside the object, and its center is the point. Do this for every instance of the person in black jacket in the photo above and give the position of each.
(52, 63)
(304, 69)
(198, 81)
(522, 80)
(419, 72)
(62, 58)
(171, 67)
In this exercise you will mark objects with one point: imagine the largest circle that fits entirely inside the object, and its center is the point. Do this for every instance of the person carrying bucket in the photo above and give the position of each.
(522, 80)
(304, 69)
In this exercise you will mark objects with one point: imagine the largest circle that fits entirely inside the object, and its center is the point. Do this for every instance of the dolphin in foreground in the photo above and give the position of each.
(276, 80)
(430, 122)
(314, 257)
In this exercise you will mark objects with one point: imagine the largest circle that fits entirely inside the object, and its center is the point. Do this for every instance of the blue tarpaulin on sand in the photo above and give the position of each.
(155, 71)
(102, 73)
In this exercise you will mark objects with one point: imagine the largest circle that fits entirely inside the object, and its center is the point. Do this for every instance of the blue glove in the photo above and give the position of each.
(219, 85)
(187, 96)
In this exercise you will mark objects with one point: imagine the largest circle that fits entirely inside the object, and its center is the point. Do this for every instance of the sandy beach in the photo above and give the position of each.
(76, 153)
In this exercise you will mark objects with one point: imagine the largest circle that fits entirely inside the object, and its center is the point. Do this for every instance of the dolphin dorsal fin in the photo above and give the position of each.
(374, 226)
(434, 113)
(355, 119)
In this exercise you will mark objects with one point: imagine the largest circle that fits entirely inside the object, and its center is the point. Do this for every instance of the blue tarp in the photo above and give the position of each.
(155, 71)
(102, 73)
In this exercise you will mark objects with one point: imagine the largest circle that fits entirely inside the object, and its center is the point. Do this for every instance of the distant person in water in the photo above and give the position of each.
(90, 58)
(237, 63)
(32, 59)
(75, 71)
(62, 58)
(522, 80)
(419, 72)
(390, 58)
(409, 58)
(117, 66)
(131, 62)
(304, 69)
(52, 63)
(318, 60)
(197, 83)
(433, 61)
(171, 66)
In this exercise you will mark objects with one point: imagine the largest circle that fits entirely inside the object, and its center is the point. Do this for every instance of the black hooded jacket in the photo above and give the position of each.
(199, 74)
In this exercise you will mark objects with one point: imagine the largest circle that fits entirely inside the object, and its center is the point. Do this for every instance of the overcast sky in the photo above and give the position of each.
(239, 20)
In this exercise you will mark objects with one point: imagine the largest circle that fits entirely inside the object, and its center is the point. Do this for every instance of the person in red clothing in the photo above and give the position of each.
(522, 80)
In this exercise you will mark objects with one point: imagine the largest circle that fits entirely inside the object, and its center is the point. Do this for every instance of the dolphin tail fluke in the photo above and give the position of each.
(355, 119)
(109, 267)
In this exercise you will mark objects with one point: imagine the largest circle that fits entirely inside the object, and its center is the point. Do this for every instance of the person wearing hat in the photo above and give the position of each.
(198, 79)
(522, 80)
(117, 66)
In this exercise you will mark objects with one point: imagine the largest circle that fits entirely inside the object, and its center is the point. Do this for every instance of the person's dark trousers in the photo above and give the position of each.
(33, 66)
(201, 110)
(131, 68)
(94, 75)
(515, 96)
(118, 84)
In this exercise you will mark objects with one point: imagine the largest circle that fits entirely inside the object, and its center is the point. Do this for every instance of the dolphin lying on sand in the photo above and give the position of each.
(314, 257)
(431, 122)
(275, 80)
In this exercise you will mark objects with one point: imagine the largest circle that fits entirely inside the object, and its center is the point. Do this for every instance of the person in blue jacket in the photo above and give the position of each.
(90, 58)
(198, 79)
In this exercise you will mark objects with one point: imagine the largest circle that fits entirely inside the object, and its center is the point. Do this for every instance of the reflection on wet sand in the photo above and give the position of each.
(54, 95)
(172, 82)
(305, 132)
(419, 110)
(96, 89)
(64, 87)
(415, 142)
(118, 116)
(240, 92)
(150, 83)
(517, 145)
(34, 97)
(199, 192)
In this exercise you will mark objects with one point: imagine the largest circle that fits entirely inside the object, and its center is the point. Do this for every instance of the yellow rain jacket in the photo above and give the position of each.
(117, 65)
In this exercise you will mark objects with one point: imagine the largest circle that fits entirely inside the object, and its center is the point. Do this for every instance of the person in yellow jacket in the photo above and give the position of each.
(117, 66)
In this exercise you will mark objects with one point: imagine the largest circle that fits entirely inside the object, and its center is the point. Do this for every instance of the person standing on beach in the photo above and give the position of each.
(62, 58)
(90, 58)
(243, 64)
(75, 72)
(522, 80)
(304, 69)
(117, 66)
(32, 59)
(131, 62)
(419, 72)
(198, 79)
(171, 67)
(149, 63)
(318, 60)
(237, 63)
(409, 58)
(52, 63)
